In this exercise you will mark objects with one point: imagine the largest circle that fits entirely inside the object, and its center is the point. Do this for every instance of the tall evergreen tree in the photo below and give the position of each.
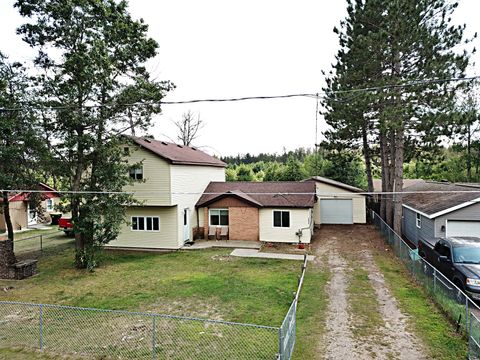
(93, 56)
(20, 147)
(385, 43)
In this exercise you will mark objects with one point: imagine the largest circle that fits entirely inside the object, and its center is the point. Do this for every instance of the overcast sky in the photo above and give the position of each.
(219, 49)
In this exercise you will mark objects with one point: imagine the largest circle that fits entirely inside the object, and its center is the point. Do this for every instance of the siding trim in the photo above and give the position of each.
(446, 211)
(417, 211)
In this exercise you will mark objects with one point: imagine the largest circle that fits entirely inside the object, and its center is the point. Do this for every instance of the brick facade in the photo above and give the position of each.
(243, 219)
(243, 223)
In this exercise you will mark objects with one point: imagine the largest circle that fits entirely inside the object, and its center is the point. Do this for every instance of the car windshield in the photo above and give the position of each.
(465, 254)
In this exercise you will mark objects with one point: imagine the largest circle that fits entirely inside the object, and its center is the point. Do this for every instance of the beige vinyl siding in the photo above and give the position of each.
(166, 238)
(18, 214)
(358, 201)
(201, 217)
(299, 218)
(155, 189)
(192, 180)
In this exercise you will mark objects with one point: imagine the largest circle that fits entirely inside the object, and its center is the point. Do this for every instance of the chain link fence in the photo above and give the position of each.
(95, 333)
(288, 330)
(452, 300)
(37, 245)
(114, 334)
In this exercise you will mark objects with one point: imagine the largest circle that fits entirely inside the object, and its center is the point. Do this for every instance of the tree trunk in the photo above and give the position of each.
(469, 154)
(390, 168)
(399, 144)
(383, 159)
(368, 159)
(6, 215)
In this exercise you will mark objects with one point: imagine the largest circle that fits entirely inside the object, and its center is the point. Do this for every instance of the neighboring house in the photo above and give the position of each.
(440, 210)
(338, 203)
(168, 184)
(24, 213)
(257, 211)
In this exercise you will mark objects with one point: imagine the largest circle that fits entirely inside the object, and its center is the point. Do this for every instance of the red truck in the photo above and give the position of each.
(66, 225)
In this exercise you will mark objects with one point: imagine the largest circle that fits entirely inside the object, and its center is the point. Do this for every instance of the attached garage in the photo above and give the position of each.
(462, 228)
(336, 211)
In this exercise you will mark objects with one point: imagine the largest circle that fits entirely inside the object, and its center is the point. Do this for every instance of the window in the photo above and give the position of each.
(218, 217)
(145, 223)
(419, 221)
(126, 151)
(50, 205)
(281, 218)
(136, 173)
(442, 249)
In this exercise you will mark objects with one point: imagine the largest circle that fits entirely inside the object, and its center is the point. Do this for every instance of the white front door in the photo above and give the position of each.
(186, 225)
(31, 216)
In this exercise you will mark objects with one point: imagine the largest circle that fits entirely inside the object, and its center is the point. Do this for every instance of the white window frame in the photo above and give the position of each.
(219, 217)
(50, 205)
(134, 169)
(418, 220)
(289, 219)
(145, 223)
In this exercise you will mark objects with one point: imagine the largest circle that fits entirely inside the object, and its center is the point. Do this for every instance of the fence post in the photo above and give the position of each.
(466, 314)
(40, 328)
(280, 344)
(154, 337)
(434, 281)
(41, 243)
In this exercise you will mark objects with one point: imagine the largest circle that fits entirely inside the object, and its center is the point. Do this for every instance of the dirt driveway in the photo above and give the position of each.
(363, 319)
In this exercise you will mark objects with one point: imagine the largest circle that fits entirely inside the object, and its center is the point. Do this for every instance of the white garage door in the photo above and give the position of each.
(463, 228)
(335, 211)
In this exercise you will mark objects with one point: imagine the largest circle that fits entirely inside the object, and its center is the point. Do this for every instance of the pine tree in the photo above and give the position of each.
(386, 43)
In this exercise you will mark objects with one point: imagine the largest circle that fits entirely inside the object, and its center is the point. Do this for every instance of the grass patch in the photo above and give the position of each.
(204, 283)
(427, 321)
(21, 354)
(364, 307)
(311, 313)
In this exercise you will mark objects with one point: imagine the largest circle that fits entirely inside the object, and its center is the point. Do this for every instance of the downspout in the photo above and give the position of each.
(198, 224)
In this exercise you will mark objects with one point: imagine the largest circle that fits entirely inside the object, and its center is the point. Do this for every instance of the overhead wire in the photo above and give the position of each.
(235, 99)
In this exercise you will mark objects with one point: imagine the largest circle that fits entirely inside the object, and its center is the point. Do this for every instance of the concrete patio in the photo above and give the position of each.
(237, 244)
(253, 253)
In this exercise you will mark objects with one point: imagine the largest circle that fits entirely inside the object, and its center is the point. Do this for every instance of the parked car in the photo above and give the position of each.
(458, 258)
(66, 225)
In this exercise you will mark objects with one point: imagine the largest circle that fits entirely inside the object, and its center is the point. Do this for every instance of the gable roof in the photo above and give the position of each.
(177, 154)
(335, 183)
(434, 199)
(284, 194)
(23, 196)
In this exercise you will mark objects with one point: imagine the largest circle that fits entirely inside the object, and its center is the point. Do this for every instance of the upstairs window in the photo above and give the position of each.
(419, 221)
(136, 173)
(218, 217)
(281, 218)
(145, 223)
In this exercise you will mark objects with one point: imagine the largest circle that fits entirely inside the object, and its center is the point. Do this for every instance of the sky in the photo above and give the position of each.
(223, 49)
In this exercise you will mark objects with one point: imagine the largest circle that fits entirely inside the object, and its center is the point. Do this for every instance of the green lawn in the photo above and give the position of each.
(206, 284)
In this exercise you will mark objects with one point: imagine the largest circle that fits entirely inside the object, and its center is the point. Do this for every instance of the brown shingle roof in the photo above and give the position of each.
(442, 199)
(178, 154)
(265, 194)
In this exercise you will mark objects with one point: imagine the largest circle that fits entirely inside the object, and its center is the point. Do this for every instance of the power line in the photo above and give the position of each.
(236, 99)
(152, 192)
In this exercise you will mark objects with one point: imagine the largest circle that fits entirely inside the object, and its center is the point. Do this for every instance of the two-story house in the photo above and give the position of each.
(167, 185)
